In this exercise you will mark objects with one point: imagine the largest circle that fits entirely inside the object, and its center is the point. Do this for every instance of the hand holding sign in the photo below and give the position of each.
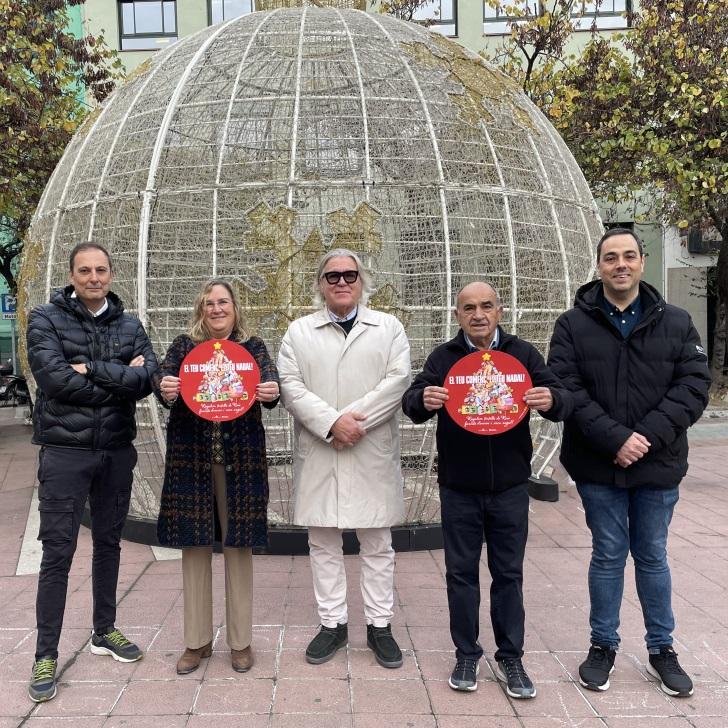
(267, 391)
(433, 398)
(539, 398)
(169, 387)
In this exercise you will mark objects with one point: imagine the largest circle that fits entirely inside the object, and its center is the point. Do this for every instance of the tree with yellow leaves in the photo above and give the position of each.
(643, 111)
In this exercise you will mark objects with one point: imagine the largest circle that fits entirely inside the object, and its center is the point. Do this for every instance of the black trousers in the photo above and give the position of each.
(67, 477)
(502, 519)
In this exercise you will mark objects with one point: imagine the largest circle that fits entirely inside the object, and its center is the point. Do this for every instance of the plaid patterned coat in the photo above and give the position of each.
(186, 515)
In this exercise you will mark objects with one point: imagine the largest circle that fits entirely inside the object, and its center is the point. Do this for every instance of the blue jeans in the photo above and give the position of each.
(624, 520)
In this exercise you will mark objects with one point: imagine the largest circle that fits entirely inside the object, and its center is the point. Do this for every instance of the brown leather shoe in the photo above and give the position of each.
(190, 660)
(242, 659)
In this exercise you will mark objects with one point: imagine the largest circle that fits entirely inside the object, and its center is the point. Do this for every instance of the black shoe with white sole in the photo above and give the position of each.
(465, 675)
(116, 645)
(594, 672)
(673, 679)
(510, 670)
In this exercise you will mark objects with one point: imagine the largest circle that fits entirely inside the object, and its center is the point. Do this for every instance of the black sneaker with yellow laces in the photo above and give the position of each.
(114, 643)
(43, 680)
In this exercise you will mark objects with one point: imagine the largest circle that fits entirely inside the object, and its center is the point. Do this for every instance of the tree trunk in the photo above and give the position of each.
(719, 364)
(720, 341)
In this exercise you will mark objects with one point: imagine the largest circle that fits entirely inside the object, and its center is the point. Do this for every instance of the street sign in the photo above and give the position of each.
(7, 306)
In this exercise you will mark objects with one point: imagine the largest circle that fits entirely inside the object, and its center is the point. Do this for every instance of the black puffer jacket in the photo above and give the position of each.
(466, 461)
(654, 382)
(93, 411)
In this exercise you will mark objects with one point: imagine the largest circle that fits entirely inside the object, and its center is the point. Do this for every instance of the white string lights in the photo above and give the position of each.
(247, 150)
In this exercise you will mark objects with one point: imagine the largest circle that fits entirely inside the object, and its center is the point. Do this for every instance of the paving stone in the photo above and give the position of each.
(352, 690)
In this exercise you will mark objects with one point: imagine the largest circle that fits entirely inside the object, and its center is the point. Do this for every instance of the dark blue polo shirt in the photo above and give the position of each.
(623, 320)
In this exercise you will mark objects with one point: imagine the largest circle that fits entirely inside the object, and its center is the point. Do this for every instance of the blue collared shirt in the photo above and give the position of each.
(623, 320)
(493, 344)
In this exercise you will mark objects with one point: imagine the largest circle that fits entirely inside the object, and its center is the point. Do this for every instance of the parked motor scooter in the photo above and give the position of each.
(13, 388)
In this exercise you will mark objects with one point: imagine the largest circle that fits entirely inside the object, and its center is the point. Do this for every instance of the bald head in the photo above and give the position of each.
(477, 288)
(478, 311)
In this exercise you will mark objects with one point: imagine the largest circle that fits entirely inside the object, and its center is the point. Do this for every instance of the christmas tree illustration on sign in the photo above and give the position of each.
(486, 391)
(489, 392)
(218, 380)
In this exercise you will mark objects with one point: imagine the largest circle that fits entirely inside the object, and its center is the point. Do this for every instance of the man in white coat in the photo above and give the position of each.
(343, 371)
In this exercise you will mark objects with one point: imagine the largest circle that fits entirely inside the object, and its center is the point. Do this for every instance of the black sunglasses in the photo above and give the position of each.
(333, 276)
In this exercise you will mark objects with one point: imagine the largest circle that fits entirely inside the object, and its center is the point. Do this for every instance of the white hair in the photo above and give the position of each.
(367, 285)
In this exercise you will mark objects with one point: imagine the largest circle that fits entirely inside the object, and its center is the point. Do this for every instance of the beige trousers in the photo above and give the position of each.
(329, 577)
(197, 584)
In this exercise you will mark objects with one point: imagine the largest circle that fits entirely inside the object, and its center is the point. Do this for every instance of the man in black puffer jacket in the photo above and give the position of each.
(91, 362)
(483, 491)
(640, 378)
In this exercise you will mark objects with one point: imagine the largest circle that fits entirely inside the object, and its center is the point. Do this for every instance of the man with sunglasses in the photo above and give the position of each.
(343, 371)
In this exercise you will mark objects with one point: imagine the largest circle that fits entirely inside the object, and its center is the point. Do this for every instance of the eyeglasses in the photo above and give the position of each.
(334, 276)
(220, 303)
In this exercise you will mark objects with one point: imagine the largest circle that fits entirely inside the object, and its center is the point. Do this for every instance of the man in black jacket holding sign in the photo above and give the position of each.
(91, 362)
(483, 490)
(639, 378)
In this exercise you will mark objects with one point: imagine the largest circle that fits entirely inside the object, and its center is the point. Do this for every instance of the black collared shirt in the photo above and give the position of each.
(623, 320)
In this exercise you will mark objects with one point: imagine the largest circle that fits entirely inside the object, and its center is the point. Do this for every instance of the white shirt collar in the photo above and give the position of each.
(338, 319)
(98, 313)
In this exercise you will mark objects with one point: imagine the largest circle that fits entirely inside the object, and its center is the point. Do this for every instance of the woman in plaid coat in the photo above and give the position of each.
(215, 468)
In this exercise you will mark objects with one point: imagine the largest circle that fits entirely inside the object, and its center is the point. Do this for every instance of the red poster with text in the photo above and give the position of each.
(486, 391)
(218, 380)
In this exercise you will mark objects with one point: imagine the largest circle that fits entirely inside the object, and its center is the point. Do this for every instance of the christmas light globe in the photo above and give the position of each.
(249, 149)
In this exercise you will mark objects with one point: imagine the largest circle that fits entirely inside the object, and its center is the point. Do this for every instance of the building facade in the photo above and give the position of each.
(138, 28)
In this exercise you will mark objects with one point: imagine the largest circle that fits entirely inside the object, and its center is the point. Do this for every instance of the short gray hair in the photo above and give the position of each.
(367, 284)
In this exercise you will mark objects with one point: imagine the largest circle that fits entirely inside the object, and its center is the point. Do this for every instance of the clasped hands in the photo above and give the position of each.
(347, 431)
(633, 449)
(538, 398)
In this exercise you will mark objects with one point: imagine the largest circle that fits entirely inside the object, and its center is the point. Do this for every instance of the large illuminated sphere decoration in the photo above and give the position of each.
(248, 150)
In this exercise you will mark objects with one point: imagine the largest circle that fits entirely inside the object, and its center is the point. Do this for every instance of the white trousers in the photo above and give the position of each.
(329, 576)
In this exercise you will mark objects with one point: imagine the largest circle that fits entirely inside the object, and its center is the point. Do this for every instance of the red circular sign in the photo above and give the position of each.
(218, 380)
(486, 391)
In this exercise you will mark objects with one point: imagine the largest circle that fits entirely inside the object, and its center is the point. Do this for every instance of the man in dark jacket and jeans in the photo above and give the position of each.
(640, 378)
(91, 362)
(483, 491)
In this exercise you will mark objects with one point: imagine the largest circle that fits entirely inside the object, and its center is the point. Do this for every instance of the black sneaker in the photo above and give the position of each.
(324, 645)
(673, 679)
(385, 648)
(43, 680)
(465, 675)
(518, 685)
(115, 644)
(594, 672)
